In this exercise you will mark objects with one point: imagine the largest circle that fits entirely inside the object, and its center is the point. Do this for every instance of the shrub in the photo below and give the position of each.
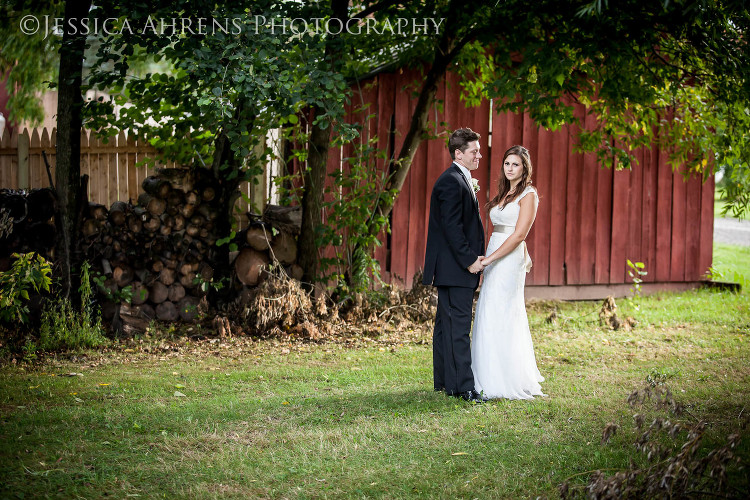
(63, 327)
(29, 271)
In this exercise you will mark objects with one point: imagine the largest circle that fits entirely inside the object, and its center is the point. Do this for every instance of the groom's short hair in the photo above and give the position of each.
(460, 139)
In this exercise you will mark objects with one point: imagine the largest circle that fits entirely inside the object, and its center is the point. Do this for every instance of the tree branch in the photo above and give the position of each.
(375, 8)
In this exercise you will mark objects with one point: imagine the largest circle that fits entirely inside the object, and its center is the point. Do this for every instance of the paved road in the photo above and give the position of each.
(732, 231)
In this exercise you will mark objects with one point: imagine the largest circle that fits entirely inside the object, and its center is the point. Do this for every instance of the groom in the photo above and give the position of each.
(455, 247)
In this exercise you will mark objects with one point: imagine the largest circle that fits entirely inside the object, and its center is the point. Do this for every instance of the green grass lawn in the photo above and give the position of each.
(237, 418)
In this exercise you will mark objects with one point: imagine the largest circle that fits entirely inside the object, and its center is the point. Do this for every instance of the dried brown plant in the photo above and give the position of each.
(279, 302)
(677, 464)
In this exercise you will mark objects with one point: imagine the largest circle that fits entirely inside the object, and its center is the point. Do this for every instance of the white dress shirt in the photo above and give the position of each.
(467, 174)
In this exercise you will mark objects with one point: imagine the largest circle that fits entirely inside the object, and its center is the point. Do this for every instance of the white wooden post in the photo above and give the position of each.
(23, 160)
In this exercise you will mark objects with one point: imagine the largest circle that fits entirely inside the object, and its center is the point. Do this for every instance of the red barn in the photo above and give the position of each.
(590, 219)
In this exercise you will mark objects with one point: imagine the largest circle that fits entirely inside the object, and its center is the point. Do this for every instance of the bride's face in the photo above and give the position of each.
(513, 168)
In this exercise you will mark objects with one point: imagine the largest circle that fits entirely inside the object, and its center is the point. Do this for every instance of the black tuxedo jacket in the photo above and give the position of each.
(455, 236)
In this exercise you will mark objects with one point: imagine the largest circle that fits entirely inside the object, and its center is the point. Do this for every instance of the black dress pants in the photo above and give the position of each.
(451, 344)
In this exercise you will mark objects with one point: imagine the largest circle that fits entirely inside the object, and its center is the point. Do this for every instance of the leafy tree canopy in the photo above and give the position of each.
(239, 77)
(28, 59)
(673, 73)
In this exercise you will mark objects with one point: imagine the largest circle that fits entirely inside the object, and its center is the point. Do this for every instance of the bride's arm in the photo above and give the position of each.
(526, 217)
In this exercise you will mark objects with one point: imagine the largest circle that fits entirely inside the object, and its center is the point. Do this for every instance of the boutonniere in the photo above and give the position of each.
(475, 185)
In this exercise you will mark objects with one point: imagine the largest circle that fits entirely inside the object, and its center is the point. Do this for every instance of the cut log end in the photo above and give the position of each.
(176, 292)
(140, 293)
(258, 238)
(249, 264)
(188, 308)
(123, 275)
(167, 311)
(284, 248)
(158, 292)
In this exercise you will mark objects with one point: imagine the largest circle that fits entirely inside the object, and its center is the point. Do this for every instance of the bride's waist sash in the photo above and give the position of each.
(500, 228)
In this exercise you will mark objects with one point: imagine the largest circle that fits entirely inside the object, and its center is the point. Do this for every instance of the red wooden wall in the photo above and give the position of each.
(590, 219)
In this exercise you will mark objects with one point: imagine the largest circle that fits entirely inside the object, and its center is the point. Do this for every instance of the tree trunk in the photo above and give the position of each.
(69, 123)
(312, 200)
(315, 175)
(224, 199)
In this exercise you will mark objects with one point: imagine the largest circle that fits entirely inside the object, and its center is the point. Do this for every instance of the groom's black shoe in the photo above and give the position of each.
(477, 397)
(472, 396)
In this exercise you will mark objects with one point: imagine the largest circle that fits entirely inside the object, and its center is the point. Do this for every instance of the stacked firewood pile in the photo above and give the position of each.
(26, 223)
(270, 237)
(156, 254)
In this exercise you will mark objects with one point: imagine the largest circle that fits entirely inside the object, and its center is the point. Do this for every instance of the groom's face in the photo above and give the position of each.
(469, 158)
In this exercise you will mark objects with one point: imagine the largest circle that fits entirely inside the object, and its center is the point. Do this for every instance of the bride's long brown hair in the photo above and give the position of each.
(503, 183)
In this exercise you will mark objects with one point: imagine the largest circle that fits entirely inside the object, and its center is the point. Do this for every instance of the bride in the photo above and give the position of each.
(502, 352)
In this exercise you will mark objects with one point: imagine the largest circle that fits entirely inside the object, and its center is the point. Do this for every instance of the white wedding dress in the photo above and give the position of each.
(502, 351)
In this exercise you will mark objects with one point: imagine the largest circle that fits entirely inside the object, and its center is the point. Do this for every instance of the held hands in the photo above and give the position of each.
(477, 266)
